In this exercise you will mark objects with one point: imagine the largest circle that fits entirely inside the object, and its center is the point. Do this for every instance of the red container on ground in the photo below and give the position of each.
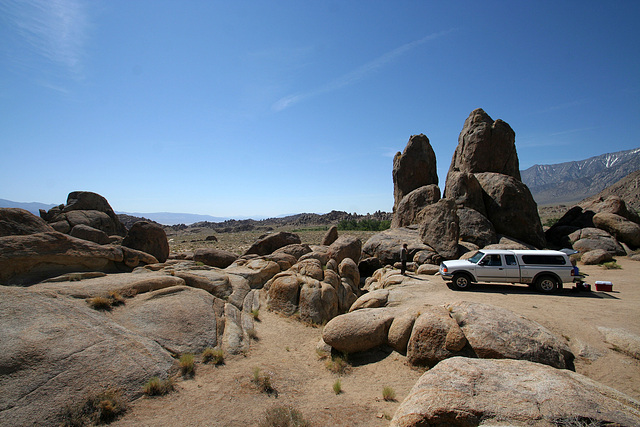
(602, 286)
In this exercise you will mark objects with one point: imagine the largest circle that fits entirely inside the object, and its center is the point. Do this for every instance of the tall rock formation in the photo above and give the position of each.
(414, 168)
(484, 176)
(415, 181)
(485, 145)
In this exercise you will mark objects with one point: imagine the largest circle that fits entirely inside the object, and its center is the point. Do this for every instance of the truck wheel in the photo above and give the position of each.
(547, 284)
(461, 281)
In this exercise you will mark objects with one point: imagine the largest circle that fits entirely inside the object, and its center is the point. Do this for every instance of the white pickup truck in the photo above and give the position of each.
(544, 269)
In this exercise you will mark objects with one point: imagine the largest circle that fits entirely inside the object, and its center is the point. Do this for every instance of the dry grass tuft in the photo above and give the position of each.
(100, 303)
(215, 355)
(388, 394)
(283, 416)
(187, 365)
(157, 387)
(263, 381)
(100, 408)
(338, 364)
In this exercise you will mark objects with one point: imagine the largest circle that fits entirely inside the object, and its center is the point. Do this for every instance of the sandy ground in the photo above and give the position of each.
(285, 350)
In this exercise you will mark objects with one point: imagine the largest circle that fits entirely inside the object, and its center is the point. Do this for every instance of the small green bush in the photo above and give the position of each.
(157, 387)
(255, 313)
(187, 365)
(337, 386)
(388, 394)
(283, 416)
(215, 355)
(99, 408)
(611, 265)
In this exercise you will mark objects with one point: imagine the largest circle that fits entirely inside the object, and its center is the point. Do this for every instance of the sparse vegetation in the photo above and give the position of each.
(99, 408)
(283, 416)
(611, 265)
(187, 365)
(322, 354)
(116, 298)
(263, 381)
(215, 355)
(550, 222)
(364, 225)
(338, 364)
(388, 394)
(578, 422)
(255, 313)
(157, 387)
(252, 334)
(337, 386)
(100, 303)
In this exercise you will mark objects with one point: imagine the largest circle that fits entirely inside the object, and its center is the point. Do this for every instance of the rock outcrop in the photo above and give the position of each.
(30, 258)
(470, 392)
(415, 167)
(271, 242)
(148, 237)
(18, 222)
(214, 257)
(84, 207)
(55, 350)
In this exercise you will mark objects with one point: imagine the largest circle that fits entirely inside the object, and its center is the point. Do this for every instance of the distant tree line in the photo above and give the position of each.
(364, 224)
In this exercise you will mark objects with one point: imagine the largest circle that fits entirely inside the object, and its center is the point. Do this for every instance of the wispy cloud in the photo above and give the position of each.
(565, 132)
(51, 29)
(357, 74)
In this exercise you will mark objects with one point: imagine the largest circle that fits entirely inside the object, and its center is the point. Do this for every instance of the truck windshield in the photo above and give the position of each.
(477, 257)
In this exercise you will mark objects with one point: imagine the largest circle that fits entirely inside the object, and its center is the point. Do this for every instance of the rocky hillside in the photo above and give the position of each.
(573, 181)
(628, 189)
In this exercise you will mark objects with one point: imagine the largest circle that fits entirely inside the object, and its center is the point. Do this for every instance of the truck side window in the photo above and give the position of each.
(510, 259)
(494, 260)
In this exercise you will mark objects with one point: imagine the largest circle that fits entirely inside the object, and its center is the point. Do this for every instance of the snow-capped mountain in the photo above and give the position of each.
(573, 181)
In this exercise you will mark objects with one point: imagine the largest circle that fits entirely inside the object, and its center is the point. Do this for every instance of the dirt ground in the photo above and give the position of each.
(286, 351)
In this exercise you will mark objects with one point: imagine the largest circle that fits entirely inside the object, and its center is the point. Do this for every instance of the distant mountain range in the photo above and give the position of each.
(166, 218)
(571, 182)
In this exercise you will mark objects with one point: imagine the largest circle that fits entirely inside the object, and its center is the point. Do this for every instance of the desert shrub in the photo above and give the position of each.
(100, 303)
(99, 408)
(283, 416)
(255, 313)
(338, 364)
(157, 387)
(611, 265)
(187, 365)
(215, 355)
(252, 334)
(337, 386)
(263, 381)
(388, 394)
(550, 222)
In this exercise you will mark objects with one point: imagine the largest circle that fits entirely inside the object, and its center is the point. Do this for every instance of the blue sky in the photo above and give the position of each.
(273, 107)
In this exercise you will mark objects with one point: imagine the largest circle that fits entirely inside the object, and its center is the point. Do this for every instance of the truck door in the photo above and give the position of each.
(511, 268)
(491, 268)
